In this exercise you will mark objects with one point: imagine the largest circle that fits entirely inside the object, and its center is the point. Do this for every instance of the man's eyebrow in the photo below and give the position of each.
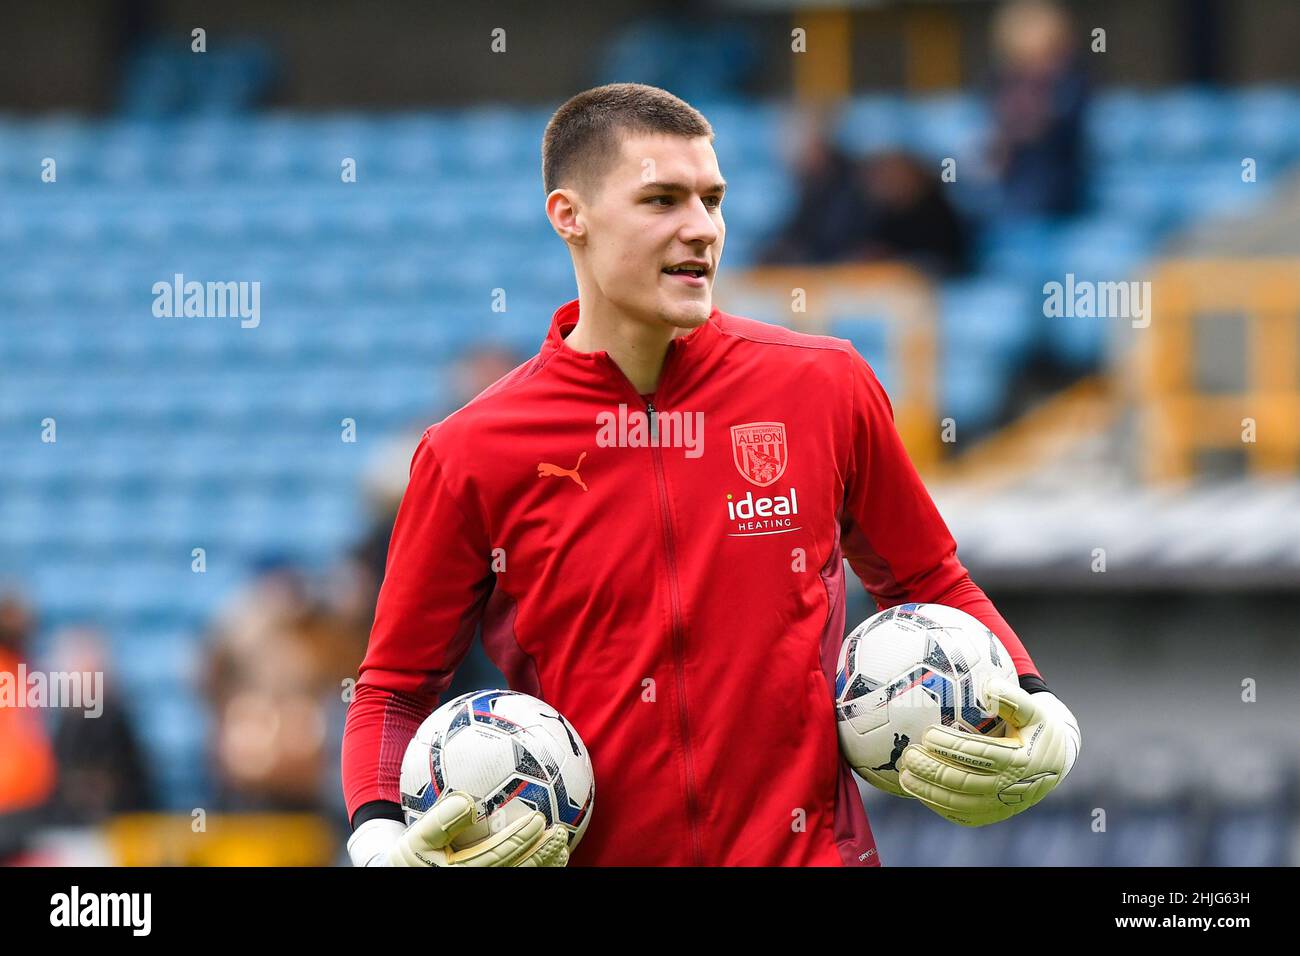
(718, 187)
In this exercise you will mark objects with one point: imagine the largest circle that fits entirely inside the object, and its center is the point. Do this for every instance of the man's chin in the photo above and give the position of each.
(687, 315)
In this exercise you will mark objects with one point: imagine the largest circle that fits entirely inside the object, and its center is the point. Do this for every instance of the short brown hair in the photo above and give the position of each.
(583, 137)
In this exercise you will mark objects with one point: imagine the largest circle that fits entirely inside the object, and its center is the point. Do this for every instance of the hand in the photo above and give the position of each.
(427, 841)
(975, 780)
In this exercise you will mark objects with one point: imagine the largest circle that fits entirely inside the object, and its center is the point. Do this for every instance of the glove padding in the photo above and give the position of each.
(975, 780)
(427, 841)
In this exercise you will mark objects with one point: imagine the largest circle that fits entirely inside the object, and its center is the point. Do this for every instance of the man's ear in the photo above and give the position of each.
(565, 213)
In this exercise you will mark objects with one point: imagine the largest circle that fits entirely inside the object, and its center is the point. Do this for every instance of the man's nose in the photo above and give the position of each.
(700, 225)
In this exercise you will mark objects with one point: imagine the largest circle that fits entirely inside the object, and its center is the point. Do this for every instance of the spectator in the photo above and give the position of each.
(1039, 100)
(829, 220)
(888, 206)
(101, 768)
(274, 679)
(911, 217)
(27, 768)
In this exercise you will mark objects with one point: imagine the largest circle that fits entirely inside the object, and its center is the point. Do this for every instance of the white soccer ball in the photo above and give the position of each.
(909, 667)
(511, 753)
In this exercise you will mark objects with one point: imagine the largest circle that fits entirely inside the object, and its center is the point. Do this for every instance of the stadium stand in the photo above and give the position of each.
(180, 433)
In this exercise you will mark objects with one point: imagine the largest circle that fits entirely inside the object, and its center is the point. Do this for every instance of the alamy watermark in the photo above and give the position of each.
(133, 911)
(209, 300)
(83, 690)
(651, 429)
(1086, 299)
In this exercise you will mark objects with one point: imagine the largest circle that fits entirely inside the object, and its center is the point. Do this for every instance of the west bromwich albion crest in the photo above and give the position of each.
(759, 451)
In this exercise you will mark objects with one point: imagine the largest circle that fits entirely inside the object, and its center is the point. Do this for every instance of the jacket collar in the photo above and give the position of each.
(696, 342)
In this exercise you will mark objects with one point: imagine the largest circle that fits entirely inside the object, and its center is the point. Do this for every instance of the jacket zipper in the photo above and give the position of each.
(678, 637)
(678, 631)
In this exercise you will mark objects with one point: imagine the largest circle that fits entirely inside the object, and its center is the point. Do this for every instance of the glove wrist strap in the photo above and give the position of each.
(370, 843)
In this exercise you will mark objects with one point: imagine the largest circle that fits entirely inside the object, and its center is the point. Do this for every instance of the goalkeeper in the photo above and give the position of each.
(648, 521)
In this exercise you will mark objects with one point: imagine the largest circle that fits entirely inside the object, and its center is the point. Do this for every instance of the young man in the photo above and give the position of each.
(649, 521)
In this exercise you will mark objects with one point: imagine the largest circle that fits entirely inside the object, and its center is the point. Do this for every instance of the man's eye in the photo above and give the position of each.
(714, 201)
(667, 200)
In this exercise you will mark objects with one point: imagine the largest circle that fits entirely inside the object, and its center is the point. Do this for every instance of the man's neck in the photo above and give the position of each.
(638, 348)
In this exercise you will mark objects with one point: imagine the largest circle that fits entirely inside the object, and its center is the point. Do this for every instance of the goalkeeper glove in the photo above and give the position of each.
(975, 780)
(427, 841)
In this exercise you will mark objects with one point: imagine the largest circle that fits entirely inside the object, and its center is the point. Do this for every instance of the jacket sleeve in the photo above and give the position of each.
(892, 533)
(437, 580)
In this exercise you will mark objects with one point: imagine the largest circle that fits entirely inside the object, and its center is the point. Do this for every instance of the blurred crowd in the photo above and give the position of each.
(892, 204)
(281, 661)
(59, 768)
(285, 651)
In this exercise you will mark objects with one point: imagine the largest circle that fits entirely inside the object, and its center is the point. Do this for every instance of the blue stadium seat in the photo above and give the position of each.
(1264, 122)
(870, 337)
(1153, 838)
(955, 126)
(872, 123)
(998, 318)
(972, 389)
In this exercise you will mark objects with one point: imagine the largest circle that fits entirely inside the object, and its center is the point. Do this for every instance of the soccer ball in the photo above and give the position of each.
(909, 667)
(511, 753)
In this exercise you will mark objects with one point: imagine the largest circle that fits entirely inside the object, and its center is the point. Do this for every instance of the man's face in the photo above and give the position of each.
(655, 231)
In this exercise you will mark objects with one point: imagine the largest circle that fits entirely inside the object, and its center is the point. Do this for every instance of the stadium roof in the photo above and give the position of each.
(1233, 535)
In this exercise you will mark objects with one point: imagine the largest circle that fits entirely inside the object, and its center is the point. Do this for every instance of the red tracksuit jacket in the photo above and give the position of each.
(681, 603)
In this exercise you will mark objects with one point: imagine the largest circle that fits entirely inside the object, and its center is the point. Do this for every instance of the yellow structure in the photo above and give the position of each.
(159, 839)
(1180, 416)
